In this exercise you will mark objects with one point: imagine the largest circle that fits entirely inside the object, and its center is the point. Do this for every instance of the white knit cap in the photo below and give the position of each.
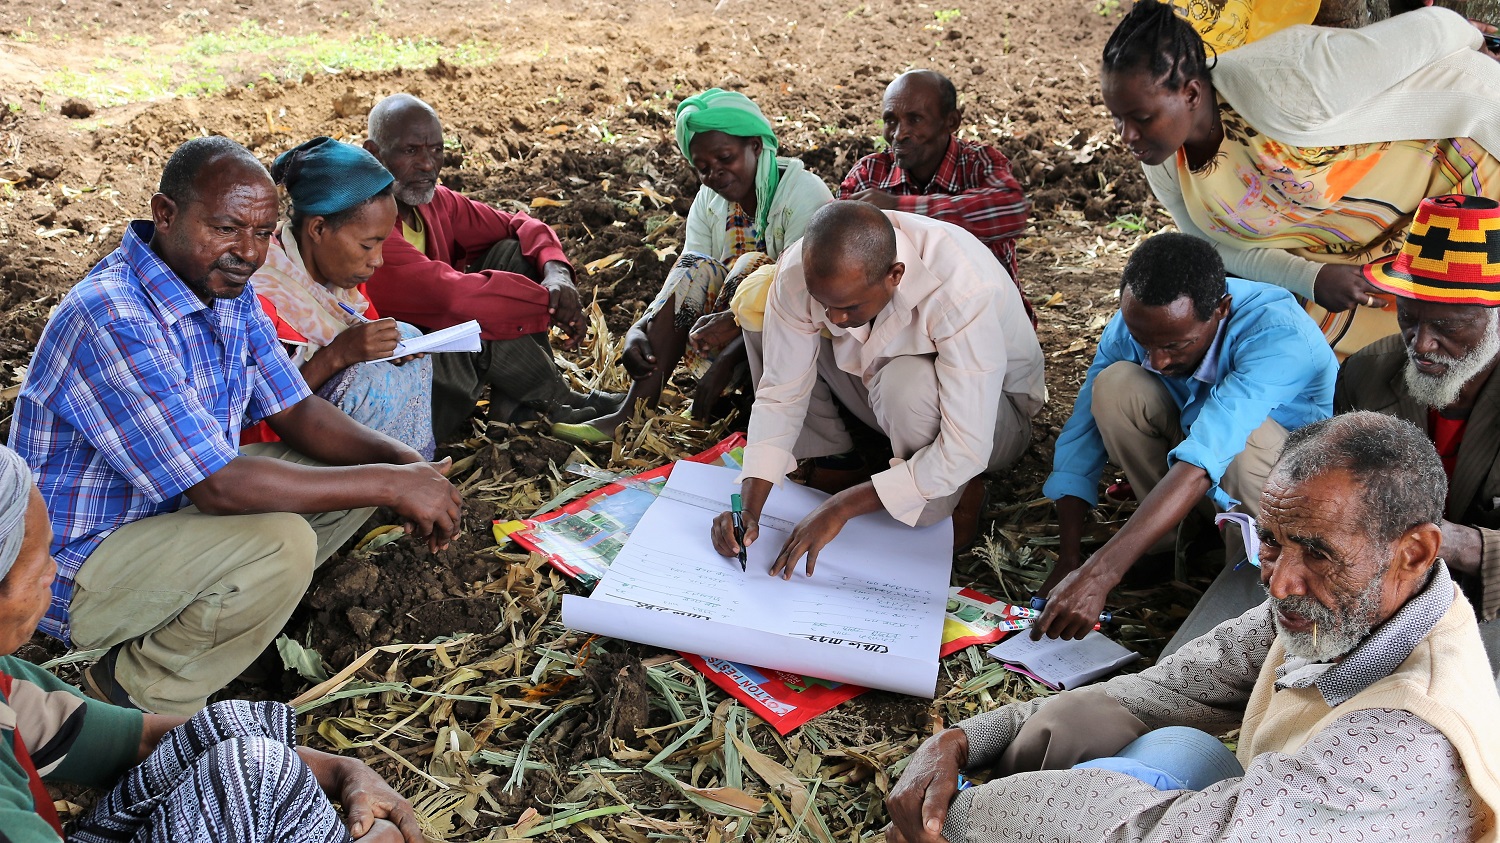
(15, 494)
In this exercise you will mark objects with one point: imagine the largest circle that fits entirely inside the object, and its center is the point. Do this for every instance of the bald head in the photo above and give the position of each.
(407, 137)
(849, 261)
(926, 84)
(848, 236)
(391, 115)
(919, 114)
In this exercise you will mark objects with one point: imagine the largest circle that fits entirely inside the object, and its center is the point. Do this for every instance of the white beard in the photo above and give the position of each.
(414, 197)
(1337, 631)
(1440, 391)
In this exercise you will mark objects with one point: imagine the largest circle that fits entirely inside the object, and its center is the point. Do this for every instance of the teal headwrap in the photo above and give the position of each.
(324, 176)
(733, 113)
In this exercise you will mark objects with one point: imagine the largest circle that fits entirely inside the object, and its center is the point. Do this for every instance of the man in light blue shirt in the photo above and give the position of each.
(1196, 382)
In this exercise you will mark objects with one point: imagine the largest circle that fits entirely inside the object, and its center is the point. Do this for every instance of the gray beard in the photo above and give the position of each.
(1338, 631)
(412, 197)
(1440, 391)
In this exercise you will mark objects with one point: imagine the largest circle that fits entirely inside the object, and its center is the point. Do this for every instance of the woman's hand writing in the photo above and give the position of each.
(365, 342)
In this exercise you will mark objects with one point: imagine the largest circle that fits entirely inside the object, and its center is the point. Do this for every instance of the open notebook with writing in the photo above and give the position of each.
(1061, 664)
(461, 337)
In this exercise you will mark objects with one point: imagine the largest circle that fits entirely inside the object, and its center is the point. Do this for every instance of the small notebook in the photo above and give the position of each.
(462, 337)
(1061, 664)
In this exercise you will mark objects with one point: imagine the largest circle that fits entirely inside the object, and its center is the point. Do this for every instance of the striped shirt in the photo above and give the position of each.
(137, 392)
(973, 188)
(50, 731)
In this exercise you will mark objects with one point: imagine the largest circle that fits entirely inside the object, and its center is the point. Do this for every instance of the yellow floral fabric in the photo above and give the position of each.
(1226, 24)
(749, 301)
(1343, 204)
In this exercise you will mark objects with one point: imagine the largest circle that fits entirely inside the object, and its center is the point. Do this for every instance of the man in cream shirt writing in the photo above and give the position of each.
(916, 329)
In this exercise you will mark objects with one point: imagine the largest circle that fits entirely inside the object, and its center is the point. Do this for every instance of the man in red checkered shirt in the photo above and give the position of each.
(927, 170)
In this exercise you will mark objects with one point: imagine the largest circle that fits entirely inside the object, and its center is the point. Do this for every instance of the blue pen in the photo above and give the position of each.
(1040, 603)
(352, 312)
(963, 782)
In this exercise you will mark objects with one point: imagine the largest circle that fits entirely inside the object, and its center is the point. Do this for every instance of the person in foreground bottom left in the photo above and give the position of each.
(228, 773)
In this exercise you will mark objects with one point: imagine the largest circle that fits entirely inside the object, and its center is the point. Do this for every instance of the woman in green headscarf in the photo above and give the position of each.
(312, 287)
(751, 207)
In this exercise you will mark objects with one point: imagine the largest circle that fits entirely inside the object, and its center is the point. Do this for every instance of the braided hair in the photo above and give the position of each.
(1153, 38)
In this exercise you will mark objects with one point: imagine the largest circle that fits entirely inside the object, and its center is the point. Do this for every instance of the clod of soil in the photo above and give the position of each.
(45, 170)
(620, 707)
(77, 108)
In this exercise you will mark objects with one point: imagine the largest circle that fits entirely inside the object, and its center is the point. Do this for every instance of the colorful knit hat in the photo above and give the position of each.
(1451, 254)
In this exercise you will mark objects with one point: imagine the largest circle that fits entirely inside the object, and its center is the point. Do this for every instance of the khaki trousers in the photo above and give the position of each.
(1072, 728)
(901, 402)
(1139, 424)
(195, 598)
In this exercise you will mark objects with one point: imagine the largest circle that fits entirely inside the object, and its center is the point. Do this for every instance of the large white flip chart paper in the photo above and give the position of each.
(871, 614)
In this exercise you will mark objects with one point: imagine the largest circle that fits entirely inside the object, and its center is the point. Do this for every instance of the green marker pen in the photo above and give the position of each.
(737, 509)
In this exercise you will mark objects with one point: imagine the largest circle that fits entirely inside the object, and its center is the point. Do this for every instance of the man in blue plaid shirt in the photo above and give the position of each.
(176, 549)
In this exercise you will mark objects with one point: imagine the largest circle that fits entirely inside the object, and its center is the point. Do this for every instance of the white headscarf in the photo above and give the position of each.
(15, 494)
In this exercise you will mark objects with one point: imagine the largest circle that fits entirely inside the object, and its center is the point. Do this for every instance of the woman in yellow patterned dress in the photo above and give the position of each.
(1304, 155)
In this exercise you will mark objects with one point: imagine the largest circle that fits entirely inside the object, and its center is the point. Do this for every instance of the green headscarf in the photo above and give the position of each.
(733, 113)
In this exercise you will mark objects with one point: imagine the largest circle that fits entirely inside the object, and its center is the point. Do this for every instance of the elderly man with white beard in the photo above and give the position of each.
(1436, 375)
(1360, 690)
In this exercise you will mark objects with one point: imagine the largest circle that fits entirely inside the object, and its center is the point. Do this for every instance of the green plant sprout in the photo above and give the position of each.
(1133, 223)
(209, 63)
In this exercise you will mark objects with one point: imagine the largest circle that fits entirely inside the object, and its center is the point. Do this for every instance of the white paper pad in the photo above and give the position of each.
(461, 337)
(871, 614)
(1061, 663)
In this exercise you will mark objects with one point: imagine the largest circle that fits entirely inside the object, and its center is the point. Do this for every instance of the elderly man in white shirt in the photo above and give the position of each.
(914, 326)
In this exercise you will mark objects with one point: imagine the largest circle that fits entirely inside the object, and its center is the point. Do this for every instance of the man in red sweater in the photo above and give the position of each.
(451, 260)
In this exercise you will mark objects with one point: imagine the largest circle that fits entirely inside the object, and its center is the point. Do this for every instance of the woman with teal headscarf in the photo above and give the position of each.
(751, 207)
(312, 287)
